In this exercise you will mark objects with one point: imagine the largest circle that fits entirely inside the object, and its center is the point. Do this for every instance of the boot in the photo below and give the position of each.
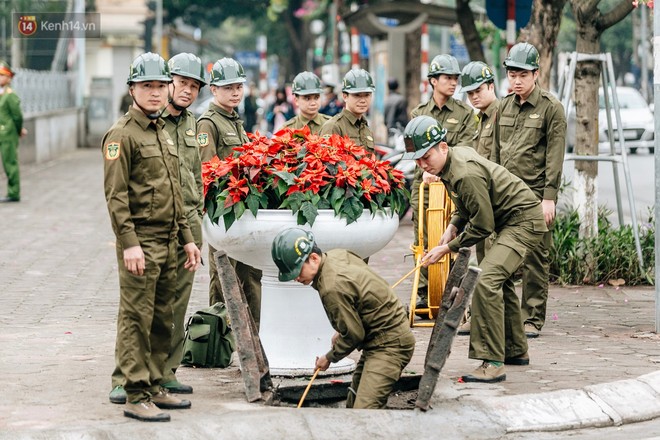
(145, 411)
(118, 395)
(164, 400)
(176, 387)
(487, 372)
(522, 359)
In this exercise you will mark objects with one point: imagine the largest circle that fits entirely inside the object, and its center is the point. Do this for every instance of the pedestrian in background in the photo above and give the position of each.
(250, 109)
(357, 91)
(219, 130)
(330, 103)
(396, 107)
(143, 194)
(279, 111)
(11, 129)
(362, 308)
(306, 91)
(488, 199)
(455, 117)
(531, 144)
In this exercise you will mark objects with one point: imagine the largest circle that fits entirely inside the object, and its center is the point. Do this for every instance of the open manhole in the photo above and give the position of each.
(331, 393)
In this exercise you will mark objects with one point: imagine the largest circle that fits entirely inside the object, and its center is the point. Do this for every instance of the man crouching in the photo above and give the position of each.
(361, 307)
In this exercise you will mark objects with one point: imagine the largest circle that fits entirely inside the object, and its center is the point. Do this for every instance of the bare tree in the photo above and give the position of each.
(469, 29)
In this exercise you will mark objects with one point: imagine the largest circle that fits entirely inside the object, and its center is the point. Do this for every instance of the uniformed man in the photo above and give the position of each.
(357, 91)
(488, 199)
(219, 130)
(143, 195)
(532, 134)
(362, 308)
(306, 91)
(187, 78)
(478, 81)
(458, 120)
(11, 128)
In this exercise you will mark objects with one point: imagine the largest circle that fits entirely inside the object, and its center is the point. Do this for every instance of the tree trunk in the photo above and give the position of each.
(413, 68)
(591, 22)
(469, 30)
(300, 39)
(542, 31)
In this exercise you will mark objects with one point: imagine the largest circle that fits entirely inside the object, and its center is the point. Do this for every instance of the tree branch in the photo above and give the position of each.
(618, 13)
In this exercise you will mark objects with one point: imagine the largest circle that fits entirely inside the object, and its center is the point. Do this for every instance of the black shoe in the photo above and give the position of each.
(176, 387)
(522, 359)
(9, 199)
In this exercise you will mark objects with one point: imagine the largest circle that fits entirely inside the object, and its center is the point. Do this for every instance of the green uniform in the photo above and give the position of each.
(484, 142)
(347, 124)
(490, 199)
(218, 132)
(11, 124)
(144, 201)
(314, 124)
(368, 316)
(182, 130)
(459, 121)
(531, 145)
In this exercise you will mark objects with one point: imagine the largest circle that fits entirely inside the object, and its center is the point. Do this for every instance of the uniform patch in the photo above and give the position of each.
(190, 132)
(112, 150)
(534, 116)
(452, 121)
(231, 133)
(203, 139)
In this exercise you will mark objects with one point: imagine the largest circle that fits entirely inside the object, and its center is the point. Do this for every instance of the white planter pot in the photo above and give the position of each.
(294, 327)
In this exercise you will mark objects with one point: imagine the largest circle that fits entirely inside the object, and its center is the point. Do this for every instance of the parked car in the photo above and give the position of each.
(636, 118)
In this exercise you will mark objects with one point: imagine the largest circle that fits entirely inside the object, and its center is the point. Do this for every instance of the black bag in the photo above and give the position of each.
(209, 341)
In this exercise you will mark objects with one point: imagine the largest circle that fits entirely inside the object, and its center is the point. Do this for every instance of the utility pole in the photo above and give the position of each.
(656, 100)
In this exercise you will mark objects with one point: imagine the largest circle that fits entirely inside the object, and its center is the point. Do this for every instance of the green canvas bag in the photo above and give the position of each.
(209, 341)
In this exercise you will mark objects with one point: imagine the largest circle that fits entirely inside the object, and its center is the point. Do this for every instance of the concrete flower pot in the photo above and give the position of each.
(294, 327)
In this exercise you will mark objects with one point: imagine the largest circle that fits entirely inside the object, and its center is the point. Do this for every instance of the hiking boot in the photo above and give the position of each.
(118, 395)
(522, 359)
(145, 411)
(176, 387)
(165, 400)
(464, 329)
(486, 373)
(531, 331)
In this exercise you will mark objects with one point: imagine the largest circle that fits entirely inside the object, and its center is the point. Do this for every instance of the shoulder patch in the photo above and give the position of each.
(112, 150)
(203, 139)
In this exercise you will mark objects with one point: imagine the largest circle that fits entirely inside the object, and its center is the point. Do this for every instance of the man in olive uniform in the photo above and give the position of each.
(457, 118)
(143, 195)
(219, 130)
(11, 128)
(362, 308)
(478, 81)
(306, 91)
(532, 135)
(187, 78)
(488, 199)
(357, 91)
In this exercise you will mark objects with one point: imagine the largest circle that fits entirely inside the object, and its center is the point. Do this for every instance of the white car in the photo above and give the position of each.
(636, 118)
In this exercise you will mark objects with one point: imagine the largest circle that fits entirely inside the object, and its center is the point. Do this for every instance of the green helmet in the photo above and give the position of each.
(148, 67)
(188, 65)
(522, 56)
(475, 74)
(444, 65)
(422, 133)
(306, 83)
(358, 81)
(227, 71)
(290, 250)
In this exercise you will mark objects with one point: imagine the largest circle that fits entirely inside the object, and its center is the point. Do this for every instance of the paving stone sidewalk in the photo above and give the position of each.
(58, 306)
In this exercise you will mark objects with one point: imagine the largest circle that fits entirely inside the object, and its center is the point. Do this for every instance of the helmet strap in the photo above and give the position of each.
(170, 100)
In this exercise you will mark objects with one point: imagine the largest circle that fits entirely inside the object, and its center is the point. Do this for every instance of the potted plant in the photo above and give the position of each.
(302, 172)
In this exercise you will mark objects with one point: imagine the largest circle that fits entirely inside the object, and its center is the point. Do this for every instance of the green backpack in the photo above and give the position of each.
(209, 341)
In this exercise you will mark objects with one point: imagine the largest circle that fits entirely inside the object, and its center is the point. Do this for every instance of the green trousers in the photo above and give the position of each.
(535, 279)
(378, 370)
(184, 284)
(248, 276)
(144, 322)
(9, 153)
(496, 330)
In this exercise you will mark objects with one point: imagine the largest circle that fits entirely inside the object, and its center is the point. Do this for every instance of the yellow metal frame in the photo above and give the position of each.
(437, 214)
